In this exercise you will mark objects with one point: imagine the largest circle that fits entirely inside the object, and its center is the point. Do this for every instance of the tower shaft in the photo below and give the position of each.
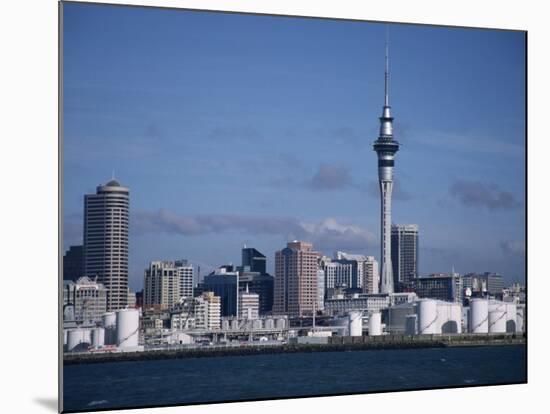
(386, 147)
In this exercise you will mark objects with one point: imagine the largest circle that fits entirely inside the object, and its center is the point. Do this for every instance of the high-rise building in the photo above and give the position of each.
(87, 297)
(296, 279)
(106, 240)
(371, 275)
(253, 276)
(249, 304)
(224, 282)
(253, 260)
(166, 282)
(404, 254)
(386, 147)
(186, 275)
(73, 263)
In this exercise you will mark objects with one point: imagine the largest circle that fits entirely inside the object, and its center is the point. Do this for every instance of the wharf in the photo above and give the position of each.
(334, 344)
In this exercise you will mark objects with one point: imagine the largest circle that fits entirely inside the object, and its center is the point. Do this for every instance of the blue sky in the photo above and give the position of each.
(232, 129)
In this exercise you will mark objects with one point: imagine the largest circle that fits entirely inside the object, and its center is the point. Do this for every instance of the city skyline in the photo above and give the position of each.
(232, 163)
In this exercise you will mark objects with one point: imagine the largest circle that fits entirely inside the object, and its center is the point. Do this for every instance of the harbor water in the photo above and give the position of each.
(233, 378)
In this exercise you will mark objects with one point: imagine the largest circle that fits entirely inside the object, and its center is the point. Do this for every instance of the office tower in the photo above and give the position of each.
(73, 263)
(185, 274)
(252, 275)
(106, 240)
(295, 279)
(87, 297)
(249, 304)
(224, 282)
(337, 274)
(371, 275)
(404, 254)
(166, 282)
(386, 147)
(253, 260)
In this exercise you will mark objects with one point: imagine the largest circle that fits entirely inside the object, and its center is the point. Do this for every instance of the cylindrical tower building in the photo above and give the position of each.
(106, 240)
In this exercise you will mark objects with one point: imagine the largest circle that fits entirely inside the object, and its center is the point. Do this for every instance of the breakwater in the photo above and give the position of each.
(333, 344)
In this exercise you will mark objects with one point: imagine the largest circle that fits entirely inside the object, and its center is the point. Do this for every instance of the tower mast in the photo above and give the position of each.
(386, 147)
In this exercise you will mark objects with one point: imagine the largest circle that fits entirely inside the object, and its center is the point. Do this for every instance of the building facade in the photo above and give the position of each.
(224, 282)
(253, 260)
(296, 279)
(404, 251)
(73, 263)
(249, 305)
(444, 287)
(166, 282)
(87, 297)
(106, 218)
(371, 276)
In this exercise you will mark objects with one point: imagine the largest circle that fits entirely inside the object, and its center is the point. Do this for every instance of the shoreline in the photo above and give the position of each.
(335, 344)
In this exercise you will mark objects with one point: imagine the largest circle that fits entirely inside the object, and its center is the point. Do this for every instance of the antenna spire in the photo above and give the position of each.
(387, 70)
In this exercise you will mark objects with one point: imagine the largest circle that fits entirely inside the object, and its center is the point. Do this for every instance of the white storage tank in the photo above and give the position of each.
(281, 323)
(355, 323)
(410, 324)
(98, 337)
(109, 324)
(77, 338)
(427, 317)
(225, 325)
(497, 321)
(127, 328)
(257, 324)
(449, 317)
(375, 324)
(235, 324)
(479, 316)
(65, 336)
(269, 324)
(520, 318)
(511, 317)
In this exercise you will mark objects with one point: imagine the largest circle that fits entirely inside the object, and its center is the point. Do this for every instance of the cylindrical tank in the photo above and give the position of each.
(257, 324)
(520, 317)
(127, 328)
(269, 324)
(281, 323)
(479, 316)
(427, 317)
(76, 337)
(410, 325)
(375, 324)
(497, 321)
(511, 317)
(65, 336)
(225, 325)
(108, 319)
(235, 324)
(109, 323)
(355, 323)
(98, 337)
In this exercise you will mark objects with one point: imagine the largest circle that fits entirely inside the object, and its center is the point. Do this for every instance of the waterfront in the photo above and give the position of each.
(170, 382)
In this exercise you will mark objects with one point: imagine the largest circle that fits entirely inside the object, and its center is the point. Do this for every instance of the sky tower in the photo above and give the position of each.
(386, 147)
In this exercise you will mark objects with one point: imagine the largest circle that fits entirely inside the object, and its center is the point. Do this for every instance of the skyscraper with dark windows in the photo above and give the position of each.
(106, 215)
(73, 263)
(404, 254)
(254, 260)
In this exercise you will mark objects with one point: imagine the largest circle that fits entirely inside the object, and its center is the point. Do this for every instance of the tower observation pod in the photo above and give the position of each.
(386, 147)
